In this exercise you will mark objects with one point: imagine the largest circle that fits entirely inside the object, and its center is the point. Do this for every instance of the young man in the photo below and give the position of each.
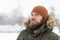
(39, 26)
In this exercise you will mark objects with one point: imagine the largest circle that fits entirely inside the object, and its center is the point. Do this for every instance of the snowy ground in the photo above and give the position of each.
(11, 36)
(11, 28)
(8, 36)
(14, 35)
(10, 32)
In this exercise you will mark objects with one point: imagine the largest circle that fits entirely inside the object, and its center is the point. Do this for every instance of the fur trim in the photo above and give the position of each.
(26, 23)
(51, 22)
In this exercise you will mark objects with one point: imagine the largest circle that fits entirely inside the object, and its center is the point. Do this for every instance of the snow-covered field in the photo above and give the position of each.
(10, 32)
(14, 35)
(11, 28)
(11, 36)
(8, 36)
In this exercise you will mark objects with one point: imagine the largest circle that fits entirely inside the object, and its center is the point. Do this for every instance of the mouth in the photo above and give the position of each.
(33, 22)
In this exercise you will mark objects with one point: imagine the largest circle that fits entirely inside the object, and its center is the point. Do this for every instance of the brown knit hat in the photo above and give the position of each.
(42, 11)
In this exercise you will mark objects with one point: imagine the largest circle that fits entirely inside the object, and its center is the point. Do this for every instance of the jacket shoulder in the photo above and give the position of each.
(23, 32)
(54, 36)
(22, 35)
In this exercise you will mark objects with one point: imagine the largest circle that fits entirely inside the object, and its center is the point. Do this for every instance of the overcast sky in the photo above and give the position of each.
(6, 6)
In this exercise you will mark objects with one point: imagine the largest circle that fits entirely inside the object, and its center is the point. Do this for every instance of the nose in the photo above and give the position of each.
(32, 17)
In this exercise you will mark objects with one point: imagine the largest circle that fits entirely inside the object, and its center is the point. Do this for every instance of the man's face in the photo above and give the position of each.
(35, 19)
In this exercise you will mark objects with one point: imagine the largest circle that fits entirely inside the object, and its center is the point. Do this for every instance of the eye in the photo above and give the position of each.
(36, 14)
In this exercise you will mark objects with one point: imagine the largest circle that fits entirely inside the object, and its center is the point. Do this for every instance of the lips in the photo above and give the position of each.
(33, 22)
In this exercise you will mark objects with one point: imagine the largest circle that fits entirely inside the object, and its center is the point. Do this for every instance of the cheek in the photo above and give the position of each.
(38, 19)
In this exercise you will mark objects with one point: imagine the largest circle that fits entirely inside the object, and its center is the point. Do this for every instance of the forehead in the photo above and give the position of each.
(34, 13)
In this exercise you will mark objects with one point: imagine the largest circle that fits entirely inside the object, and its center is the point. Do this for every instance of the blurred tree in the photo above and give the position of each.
(15, 17)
